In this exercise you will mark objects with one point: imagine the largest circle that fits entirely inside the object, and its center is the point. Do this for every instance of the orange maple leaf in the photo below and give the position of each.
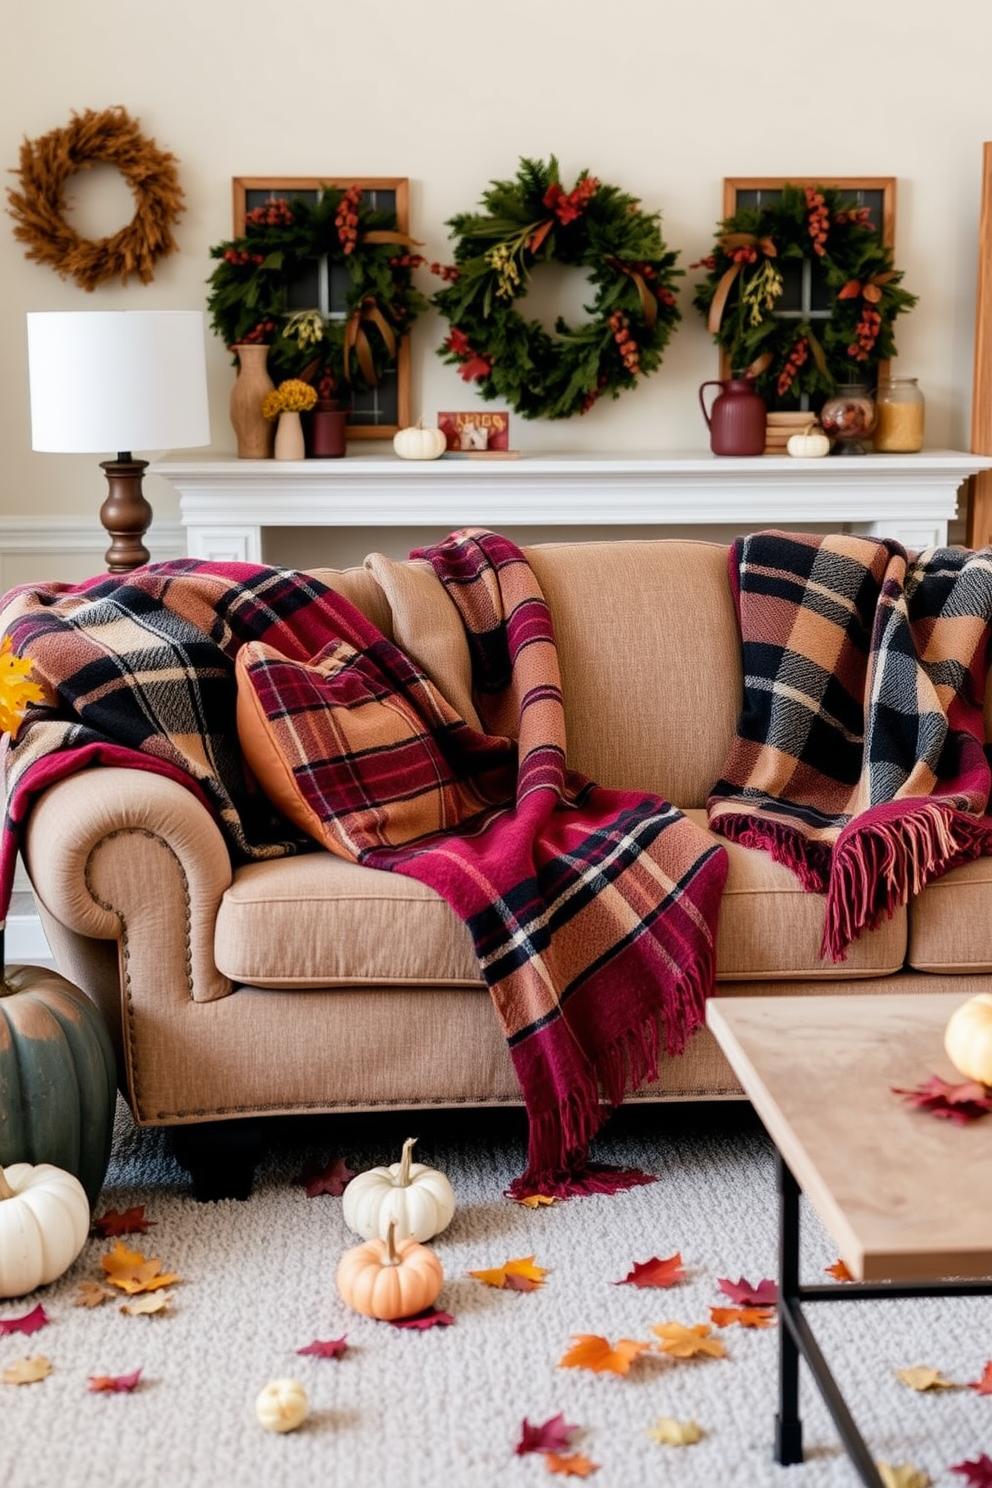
(535, 1201)
(747, 1317)
(984, 1385)
(591, 1351)
(570, 1464)
(684, 1343)
(131, 1222)
(655, 1273)
(129, 1270)
(838, 1271)
(520, 1275)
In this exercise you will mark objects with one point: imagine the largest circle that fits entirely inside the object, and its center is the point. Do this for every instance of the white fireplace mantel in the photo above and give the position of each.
(226, 504)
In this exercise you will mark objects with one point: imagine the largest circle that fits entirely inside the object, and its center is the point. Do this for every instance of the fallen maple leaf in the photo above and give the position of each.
(978, 1473)
(903, 1476)
(148, 1304)
(765, 1294)
(570, 1465)
(838, 1271)
(26, 1371)
(30, 1322)
(672, 1433)
(922, 1378)
(332, 1179)
(131, 1222)
(534, 1201)
(590, 1351)
(91, 1294)
(431, 1317)
(552, 1435)
(684, 1343)
(332, 1348)
(115, 1383)
(129, 1270)
(961, 1102)
(520, 1275)
(655, 1273)
(747, 1317)
(983, 1385)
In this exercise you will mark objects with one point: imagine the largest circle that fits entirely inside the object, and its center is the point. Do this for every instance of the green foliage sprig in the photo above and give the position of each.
(790, 356)
(532, 220)
(283, 241)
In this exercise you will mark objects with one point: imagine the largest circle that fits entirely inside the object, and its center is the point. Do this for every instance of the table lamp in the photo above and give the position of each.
(118, 380)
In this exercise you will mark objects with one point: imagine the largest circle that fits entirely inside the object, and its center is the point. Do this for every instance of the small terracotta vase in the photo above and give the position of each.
(327, 431)
(255, 434)
(289, 437)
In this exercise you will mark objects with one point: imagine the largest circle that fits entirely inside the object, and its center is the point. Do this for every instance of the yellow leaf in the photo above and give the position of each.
(520, 1275)
(148, 1304)
(129, 1270)
(569, 1464)
(26, 1371)
(684, 1343)
(15, 689)
(672, 1433)
(903, 1476)
(922, 1378)
(534, 1201)
(590, 1351)
(91, 1294)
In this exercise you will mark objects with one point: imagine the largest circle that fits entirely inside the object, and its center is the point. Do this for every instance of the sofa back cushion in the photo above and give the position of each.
(648, 648)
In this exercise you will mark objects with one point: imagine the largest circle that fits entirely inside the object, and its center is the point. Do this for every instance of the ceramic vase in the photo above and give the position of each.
(289, 437)
(327, 431)
(255, 434)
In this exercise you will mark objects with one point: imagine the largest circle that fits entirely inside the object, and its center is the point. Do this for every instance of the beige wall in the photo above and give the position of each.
(660, 100)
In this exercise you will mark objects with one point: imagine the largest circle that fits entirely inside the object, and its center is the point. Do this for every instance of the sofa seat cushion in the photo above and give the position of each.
(319, 921)
(950, 927)
(770, 928)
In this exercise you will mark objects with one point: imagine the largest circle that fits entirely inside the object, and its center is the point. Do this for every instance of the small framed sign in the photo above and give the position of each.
(476, 433)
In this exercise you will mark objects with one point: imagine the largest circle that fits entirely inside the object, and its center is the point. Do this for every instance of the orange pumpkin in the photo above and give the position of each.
(388, 1278)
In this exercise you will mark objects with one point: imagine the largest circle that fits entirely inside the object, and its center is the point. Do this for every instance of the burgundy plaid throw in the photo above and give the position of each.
(860, 756)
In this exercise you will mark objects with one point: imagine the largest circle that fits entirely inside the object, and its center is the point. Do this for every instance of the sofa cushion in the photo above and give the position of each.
(770, 928)
(950, 927)
(318, 921)
(344, 756)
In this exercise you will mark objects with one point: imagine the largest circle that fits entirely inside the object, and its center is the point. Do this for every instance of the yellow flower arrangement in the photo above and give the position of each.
(292, 396)
(16, 691)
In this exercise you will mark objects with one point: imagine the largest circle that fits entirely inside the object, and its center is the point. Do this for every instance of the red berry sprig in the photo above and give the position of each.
(407, 261)
(448, 272)
(866, 331)
(346, 219)
(819, 219)
(628, 347)
(238, 256)
(797, 356)
(593, 397)
(274, 213)
(263, 332)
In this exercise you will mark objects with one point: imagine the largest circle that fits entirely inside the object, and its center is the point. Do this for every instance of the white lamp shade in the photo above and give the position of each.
(117, 380)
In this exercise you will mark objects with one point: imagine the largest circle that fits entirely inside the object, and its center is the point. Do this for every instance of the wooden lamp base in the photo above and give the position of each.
(125, 513)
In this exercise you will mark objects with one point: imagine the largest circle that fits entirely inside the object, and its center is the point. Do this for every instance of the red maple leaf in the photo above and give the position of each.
(331, 1348)
(131, 1222)
(431, 1317)
(765, 1294)
(30, 1322)
(117, 1383)
(960, 1103)
(553, 1435)
(978, 1473)
(984, 1385)
(655, 1273)
(332, 1179)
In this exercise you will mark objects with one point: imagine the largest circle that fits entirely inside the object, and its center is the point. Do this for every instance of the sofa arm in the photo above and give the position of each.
(128, 855)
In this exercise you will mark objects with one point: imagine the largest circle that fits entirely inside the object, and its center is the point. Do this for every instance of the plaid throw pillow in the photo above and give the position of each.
(352, 748)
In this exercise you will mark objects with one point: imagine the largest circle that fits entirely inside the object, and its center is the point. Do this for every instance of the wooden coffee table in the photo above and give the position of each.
(905, 1196)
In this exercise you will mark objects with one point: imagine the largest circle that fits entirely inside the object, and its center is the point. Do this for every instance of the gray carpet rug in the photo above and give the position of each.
(406, 1409)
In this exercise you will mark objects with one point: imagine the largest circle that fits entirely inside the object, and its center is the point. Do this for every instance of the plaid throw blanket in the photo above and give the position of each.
(860, 756)
(593, 912)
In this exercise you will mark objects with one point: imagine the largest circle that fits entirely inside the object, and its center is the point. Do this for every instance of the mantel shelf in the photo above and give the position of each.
(226, 503)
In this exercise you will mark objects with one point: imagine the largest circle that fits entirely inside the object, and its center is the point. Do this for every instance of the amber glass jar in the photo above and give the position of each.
(899, 423)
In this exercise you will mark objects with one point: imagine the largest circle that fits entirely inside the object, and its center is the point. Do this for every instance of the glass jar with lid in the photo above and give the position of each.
(900, 410)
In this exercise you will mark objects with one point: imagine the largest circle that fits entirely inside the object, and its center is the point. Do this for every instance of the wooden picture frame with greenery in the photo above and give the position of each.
(398, 187)
(883, 187)
(979, 522)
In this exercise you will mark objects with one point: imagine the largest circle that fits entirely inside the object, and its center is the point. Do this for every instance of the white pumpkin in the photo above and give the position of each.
(968, 1038)
(811, 444)
(282, 1405)
(418, 443)
(44, 1222)
(417, 1199)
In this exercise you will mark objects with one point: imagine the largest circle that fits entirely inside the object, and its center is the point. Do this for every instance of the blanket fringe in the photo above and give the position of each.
(879, 864)
(809, 861)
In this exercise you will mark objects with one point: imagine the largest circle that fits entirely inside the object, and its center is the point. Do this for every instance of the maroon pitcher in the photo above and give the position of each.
(737, 419)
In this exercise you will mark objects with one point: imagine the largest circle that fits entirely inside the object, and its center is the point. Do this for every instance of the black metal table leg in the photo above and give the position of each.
(788, 1425)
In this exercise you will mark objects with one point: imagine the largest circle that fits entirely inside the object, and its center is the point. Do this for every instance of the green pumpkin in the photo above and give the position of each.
(58, 1077)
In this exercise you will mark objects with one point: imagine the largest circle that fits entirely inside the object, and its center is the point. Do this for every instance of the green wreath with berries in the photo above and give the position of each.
(532, 220)
(283, 241)
(795, 353)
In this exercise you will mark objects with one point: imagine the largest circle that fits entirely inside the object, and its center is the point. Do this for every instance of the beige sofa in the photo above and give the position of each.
(311, 984)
